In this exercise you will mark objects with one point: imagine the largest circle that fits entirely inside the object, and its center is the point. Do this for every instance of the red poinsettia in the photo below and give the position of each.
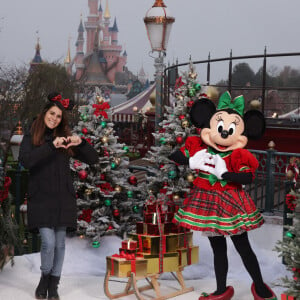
(4, 191)
(100, 109)
(86, 215)
(290, 201)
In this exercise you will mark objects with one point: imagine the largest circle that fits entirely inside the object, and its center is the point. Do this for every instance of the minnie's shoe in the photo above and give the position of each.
(256, 297)
(227, 295)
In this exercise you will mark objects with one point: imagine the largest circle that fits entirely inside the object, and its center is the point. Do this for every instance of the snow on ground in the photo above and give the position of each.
(85, 267)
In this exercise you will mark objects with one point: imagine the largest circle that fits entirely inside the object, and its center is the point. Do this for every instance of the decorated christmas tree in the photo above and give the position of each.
(171, 179)
(8, 227)
(289, 247)
(108, 197)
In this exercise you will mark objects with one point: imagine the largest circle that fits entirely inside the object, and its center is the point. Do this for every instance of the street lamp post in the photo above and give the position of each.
(158, 21)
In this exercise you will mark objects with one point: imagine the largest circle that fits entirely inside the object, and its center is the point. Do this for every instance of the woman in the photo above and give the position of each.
(45, 151)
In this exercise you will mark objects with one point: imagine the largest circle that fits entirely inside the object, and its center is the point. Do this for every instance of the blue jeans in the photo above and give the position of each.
(52, 250)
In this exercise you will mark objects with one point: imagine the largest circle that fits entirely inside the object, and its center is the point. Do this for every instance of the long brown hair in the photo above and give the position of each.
(38, 128)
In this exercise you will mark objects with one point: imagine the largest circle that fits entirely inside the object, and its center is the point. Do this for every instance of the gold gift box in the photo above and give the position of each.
(122, 267)
(182, 257)
(170, 262)
(185, 239)
(150, 243)
(194, 255)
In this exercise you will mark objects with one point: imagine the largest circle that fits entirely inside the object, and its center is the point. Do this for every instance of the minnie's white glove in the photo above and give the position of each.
(219, 166)
(199, 159)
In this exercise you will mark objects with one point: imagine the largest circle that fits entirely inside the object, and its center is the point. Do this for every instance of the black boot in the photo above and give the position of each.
(41, 290)
(52, 288)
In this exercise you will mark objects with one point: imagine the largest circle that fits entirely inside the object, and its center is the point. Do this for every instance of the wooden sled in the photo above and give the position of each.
(152, 279)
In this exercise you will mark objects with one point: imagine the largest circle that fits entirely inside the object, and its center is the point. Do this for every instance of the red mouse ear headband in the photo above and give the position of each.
(64, 102)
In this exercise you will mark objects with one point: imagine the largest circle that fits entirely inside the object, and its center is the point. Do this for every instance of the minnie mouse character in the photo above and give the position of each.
(218, 205)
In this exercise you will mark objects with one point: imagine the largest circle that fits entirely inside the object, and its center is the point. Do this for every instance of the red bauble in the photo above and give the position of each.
(106, 153)
(116, 212)
(162, 130)
(84, 130)
(190, 103)
(161, 166)
(181, 117)
(132, 180)
(110, 227)
(82, 174)
(179, 140)
(102, 176)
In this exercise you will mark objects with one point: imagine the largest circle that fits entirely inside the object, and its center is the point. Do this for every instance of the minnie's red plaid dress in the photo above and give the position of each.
(219, 207)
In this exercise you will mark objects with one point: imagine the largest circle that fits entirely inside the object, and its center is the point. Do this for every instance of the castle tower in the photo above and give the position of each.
(106, 35)
(37, 59)
(91, 25)
(114, 33)
(79, 65)
(68, 59)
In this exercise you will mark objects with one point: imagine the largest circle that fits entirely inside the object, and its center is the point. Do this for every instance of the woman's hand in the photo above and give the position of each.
(60, 142)
(73, 140)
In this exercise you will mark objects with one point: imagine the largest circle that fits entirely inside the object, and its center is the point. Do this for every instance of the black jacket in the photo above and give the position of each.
(51, 195)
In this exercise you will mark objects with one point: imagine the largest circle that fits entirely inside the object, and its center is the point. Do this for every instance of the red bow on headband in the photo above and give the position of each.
(99, 109)
(64, 102)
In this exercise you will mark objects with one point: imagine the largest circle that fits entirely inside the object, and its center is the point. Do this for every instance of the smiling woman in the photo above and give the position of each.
(45, 151)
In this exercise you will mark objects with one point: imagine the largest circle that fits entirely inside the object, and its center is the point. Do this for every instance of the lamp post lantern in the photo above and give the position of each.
(158, 21)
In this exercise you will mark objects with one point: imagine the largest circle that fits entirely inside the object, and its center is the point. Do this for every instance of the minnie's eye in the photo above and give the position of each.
(220, 126)
(231, 129)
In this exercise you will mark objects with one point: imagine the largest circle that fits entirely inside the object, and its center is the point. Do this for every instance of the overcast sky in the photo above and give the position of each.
(201, 26)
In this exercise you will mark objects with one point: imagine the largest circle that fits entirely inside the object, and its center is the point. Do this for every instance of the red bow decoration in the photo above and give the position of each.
(64, 102)
(99, 109)
(178, 83)
(290, 201)
(86, 215)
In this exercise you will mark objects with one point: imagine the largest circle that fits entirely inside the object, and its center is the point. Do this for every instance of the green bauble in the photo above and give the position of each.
(103, 124)
(96, 244)
(135, 209)
(162, 140)
(289, 234)
(113, 165)
(172, 174)
(130, 194)
(126, 149)
(192, 92)
(197, 87)
(83, 117)
(107, 202)
(81, 134)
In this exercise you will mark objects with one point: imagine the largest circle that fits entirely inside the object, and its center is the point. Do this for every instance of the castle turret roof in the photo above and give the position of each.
(107, 13)
(100, 7)
(80, 28)
(115, 26)
(124, 53)
(37, 57)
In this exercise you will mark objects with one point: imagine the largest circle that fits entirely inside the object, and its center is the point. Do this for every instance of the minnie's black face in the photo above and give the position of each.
(225, 132)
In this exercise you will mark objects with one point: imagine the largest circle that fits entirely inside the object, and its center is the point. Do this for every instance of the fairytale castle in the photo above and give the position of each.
(103, 61)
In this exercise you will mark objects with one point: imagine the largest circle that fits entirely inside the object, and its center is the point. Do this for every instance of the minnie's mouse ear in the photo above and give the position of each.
(255, 124)
(201, 112)
(52, 95)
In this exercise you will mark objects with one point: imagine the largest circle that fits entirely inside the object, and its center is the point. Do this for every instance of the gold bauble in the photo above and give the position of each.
(193, 75)
(179, 97)
(185, 123)
(135, 109)
(117, 160)
(118, 188)
(176, 197)
(190, 178)
(88, 191)
(105, 139)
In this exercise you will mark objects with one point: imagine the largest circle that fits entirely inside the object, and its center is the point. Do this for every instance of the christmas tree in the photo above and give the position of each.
(108, 197)
(289, 247)
(171, 179)
(8, 227)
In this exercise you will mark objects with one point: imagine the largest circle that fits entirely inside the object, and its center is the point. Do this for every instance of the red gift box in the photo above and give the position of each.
(152, 208)
(140, 228)
(152, 217)
(169, 217)
(286, 297)
(129, 245)
(127, 251)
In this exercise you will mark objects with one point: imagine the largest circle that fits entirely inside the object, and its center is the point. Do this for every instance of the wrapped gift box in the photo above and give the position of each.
(150, 244)
(170, 262)
(129, 245)
(141, 228)
(151, 217)
(120, 267)
(286, 297)
(192, 255)
(186, 239)
(152, 208)
(128, 251)
(169, 216)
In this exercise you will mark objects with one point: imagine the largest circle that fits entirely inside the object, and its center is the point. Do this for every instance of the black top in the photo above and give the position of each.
(51, 195)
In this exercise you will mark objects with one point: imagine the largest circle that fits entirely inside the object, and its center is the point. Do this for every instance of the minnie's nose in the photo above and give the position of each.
(224, 134)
